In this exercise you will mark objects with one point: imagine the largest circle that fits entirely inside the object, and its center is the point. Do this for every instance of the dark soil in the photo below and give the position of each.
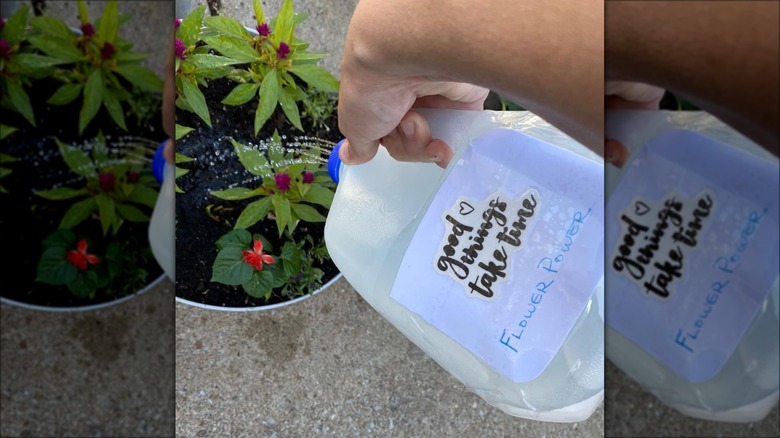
(26, 219)
(215, 168)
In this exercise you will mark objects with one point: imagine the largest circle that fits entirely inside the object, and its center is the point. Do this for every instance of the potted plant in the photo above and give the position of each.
(257, 120)
(79, 119)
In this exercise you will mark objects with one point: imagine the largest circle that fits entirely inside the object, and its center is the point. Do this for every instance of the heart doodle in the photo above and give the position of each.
(465, 208)
(640, 208)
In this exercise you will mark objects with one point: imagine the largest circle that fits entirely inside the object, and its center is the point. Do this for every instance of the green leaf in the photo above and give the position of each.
(61, 193)
(114, 108)
(143, 195)
(282, 212)
(5, 131)
(65, 94)
(240, 76)
(181, 158)
(307, 57)
(83, 12)
(20, 100)
(269, 95)
(13, 31)
(107, 211)
(275, 150)
(291, 258)
(242, 94)
(93, 96)
(317, 77)
(108, 28)
(77, 213)
(32, 62)
(232, 47)
(228, 26)
(195, 99)
(290, 108)
(54, 268)
(253, 160)
(260, 284)
(253, 213)
(181, 131)
(78, 161)
(319, 195)
(258, 8)
(235, 193)
(307, 213)
(56, 47)
(84, 285)
(240, 237)
(206, 62)
(190, 26)
(229, 267)
(130, 57)
(141, 77)
(60, 238)
(131, 213)
(52, 26)
(285, 23)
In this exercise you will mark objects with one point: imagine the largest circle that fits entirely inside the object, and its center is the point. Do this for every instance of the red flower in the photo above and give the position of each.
(180, 49)
(308, 177)
(5, 50)
(107, 51)
(132, 176)
(87, 29)
(256, 257)
(283, 50)
(282, 181)
(107, 181)
(79, 257)
(263, 30)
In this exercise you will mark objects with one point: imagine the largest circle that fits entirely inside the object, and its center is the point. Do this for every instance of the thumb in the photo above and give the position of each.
(357, 153)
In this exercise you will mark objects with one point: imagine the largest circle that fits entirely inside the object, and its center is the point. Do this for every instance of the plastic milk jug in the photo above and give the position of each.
(692, 264)
(494, 266)
(162, 224)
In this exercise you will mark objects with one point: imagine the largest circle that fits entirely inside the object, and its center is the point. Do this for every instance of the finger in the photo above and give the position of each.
(412, 141)
(632, 95)
(169, 151)
(615, 152)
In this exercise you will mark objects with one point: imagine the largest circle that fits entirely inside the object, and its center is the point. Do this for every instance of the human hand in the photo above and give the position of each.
(627, 95)
(375, 107)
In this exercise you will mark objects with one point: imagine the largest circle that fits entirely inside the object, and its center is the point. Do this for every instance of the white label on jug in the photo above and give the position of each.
(482, 237)
(693, 250)
(658, 238)
(508, 254)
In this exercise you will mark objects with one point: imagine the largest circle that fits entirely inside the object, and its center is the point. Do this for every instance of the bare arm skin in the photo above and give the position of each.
(546, 56)
(722, 56)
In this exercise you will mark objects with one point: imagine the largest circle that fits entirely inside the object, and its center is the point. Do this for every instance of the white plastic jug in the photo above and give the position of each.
(692, 264)
(162, 224)
(494, 266)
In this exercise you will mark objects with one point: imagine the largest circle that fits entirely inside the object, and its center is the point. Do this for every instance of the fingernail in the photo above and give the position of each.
(435, 159)
(408, 129)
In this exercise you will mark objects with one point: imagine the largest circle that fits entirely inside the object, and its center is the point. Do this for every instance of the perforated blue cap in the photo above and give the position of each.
(158, 163)
(334, 162)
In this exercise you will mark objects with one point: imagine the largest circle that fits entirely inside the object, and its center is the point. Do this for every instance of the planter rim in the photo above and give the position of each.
(260, 308)
(87, 308)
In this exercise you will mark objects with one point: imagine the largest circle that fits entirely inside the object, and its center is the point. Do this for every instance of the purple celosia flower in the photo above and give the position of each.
(87, 29)
(283, 50)
(180, 49)
(177, 23)
(282, 181)
(132, 176)
(2, 23)
(107, 51)
(107, 181)
(263, 29)
(308, 177)
(5, 50)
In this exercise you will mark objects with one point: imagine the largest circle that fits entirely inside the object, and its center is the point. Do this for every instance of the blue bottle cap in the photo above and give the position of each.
(334, 162)
(158, 163)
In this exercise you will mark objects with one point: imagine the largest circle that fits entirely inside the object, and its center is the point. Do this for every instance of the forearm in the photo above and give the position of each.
(546, 56)
(721, 56)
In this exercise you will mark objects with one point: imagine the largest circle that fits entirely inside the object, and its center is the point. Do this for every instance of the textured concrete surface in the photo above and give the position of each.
(632, 412)
(107, 372)
(328, 365)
